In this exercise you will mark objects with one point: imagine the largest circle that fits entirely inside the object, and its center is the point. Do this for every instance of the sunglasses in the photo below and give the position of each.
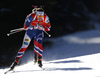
(40, 16)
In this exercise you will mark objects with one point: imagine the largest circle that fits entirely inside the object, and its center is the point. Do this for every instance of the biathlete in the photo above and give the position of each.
(35, 23)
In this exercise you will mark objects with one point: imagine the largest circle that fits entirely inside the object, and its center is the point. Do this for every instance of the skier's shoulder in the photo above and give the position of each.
(46, 17)
(45, 14)
(33, 14)
(29, 15)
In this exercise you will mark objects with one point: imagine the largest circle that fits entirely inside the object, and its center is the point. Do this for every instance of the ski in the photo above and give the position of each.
(39, 66)
(8, 71)
(42, 68)
(12, 71)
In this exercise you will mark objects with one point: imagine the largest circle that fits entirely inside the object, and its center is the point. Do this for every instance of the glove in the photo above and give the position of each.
(36, 26)
(41, 28)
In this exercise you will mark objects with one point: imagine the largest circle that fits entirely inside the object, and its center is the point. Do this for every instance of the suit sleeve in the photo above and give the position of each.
(47, 25)
(28, 21)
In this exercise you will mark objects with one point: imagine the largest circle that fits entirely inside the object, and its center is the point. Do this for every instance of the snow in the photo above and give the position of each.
(74, 55)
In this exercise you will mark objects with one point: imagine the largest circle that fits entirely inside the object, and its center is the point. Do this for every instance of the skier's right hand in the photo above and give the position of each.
(31, 28)
(36, 26)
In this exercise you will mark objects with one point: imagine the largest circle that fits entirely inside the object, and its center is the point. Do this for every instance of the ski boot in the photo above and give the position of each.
(40, 64)
(13, 65)
(35, 58)
(40, 61)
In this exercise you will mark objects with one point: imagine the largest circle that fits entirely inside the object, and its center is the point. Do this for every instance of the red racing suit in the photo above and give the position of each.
(30, 22)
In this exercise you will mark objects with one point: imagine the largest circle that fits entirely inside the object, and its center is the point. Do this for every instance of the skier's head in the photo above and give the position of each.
(40, 14)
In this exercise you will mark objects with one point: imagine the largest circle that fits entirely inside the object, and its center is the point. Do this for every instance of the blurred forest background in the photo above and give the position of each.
(66, 16)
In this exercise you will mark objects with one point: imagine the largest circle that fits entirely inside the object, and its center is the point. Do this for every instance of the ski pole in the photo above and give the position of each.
(16, 29)
(14, 32)
(47, 34)
(21, 29)
(43, 30)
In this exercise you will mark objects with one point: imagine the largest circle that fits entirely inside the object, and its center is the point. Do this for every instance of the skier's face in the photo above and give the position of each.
(40, 16)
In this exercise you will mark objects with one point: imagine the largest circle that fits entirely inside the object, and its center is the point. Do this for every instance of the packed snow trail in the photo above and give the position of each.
(74, 55)
(83, 66)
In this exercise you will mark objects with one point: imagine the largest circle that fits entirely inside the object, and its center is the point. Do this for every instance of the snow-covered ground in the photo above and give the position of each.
(74, 55)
